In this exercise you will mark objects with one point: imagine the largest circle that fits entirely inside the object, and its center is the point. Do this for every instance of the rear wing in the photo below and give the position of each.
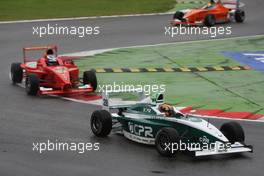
(237, 4)
(108, 103)
(41, 48)
(232, 4)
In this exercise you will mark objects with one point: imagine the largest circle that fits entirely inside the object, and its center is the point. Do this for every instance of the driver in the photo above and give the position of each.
(51, 58)
(211, 3)
(167, 109)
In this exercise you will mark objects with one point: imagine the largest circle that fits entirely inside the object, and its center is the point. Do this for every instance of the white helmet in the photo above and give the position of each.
(51, 58)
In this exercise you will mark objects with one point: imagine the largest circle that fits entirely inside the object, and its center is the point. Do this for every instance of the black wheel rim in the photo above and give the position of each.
(12, 75)
(96, 125)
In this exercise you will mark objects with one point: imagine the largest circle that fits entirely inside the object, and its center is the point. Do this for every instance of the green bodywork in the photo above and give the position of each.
(150, 123)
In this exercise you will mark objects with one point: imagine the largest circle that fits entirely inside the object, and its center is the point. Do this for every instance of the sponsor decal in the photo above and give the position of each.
(140, 139)
(140, 130)
(204, 139)
(61, 70)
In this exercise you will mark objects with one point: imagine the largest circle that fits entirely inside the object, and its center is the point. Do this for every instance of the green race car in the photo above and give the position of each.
(153, 122)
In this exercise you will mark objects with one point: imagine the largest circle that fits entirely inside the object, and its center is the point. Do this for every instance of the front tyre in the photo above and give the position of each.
(209, 20)
(165, 139)
(101, 123)
(240, 16)
(16, 73)
(32, 84)
(89, 77)
(233, 132)
(178, 15)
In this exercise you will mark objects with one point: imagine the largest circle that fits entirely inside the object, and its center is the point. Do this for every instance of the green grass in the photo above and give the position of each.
(41, 9)
(188, 5)
(232, 90)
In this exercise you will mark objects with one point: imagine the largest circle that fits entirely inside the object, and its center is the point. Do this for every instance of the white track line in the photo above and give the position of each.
(84, 18)
(100, 51)
(88, 53)
(225, 118)
(92, 102)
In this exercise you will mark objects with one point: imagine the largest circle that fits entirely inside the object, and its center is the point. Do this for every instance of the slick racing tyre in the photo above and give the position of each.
(89, 77)
(16, 73)
(239, 16)
(209, 20)
(165, 139)
(178, 15)
(32, 85)
(101, 123)
(233, 132)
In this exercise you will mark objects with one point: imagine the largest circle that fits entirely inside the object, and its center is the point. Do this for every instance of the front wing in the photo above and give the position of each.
(48, 91)
(235, 148)
(185, 23)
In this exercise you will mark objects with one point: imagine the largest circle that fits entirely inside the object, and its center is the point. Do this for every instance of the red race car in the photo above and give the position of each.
(214, 12)
(51, 74)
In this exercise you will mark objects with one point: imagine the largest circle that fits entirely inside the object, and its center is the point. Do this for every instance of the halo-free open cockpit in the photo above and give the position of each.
(152, 106)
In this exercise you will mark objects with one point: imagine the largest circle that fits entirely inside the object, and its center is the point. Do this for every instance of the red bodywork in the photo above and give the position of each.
(197, 16)
(63, 78)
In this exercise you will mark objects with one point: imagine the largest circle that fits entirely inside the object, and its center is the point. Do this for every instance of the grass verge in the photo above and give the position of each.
(188, 4)
(41, 9)
(233, 90)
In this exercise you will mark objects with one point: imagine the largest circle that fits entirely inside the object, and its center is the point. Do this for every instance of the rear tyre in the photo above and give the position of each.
(233, 132)
(240, 16)
(89, 77)
(16, 73)
(178, 15)
(209, 20)
(32, 85)
(167, 137)
(101, 123)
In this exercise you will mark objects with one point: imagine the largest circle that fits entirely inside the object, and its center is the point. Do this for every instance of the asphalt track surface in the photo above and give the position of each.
(24, 119)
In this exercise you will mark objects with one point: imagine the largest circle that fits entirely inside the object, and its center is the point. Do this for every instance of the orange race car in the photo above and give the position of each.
(214, 12)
